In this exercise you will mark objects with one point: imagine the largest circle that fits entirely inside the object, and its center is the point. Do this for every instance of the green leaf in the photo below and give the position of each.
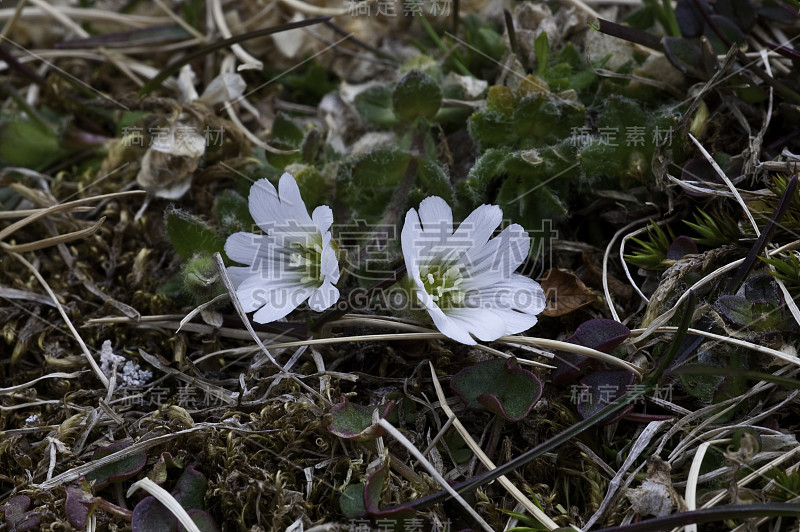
(433, 179)
(286, 135)
(190, 235)
(351, 501)
(375, 179)
(500, 386)
(541, 47)
(27, 144)
(737, 309)
(116, 471)
(416, 95)
(354, 422)
(232, 211)
(190, 490)
(374, 104)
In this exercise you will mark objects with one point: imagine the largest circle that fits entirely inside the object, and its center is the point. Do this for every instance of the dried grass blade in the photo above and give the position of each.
(11, 229)
(58, 375)
(54, 240)
(167, 500)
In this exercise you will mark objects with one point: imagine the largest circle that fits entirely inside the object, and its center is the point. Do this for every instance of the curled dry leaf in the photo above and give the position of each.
(655, 496)
(564, 293)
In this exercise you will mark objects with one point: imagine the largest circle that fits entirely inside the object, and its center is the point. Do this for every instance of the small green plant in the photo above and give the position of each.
(652, 252)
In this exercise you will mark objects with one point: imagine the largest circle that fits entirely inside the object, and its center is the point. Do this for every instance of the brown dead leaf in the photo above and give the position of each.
(564, 293)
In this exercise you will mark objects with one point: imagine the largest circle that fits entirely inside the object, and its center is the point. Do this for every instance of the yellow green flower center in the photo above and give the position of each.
(308, 258)
(443, 284)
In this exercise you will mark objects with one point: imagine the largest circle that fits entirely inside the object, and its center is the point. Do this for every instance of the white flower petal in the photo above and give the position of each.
(323, 297)
(265, 207)
(329, 266)
(238, 274)
(409, 236)
(436, 217)
(281, 303)
(293, 204)
(243, 247)
(479, 225)
(450, 327)
(516, 322)
(256, 291)
(323, 218)
(498, 258)
(483, 323)
(516, 300)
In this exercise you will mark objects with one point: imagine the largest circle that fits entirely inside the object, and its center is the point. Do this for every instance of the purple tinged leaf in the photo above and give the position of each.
(500, 386)
(354, 422)
(680, 247)
(152, 516)
(190, 490)
(568, 367)
(203, 521)
(698, 169)
(372, 498)
(79, 503)
(736, 309)
(122, 469)
(15, 507)
(601, 388)
(17, 515)
(601, 334)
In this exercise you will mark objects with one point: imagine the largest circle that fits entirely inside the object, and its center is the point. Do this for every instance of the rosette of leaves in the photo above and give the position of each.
(537, 147)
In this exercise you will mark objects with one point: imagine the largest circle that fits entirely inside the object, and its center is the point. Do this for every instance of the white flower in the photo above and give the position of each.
(292, 262)
(466, 281)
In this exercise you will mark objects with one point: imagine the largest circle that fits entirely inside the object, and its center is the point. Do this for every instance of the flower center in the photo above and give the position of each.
(443, 284)
(308, 259)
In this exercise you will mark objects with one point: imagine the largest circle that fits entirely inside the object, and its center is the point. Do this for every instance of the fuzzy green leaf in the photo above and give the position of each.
(416, 95)
(190, 235)
(374, 104)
